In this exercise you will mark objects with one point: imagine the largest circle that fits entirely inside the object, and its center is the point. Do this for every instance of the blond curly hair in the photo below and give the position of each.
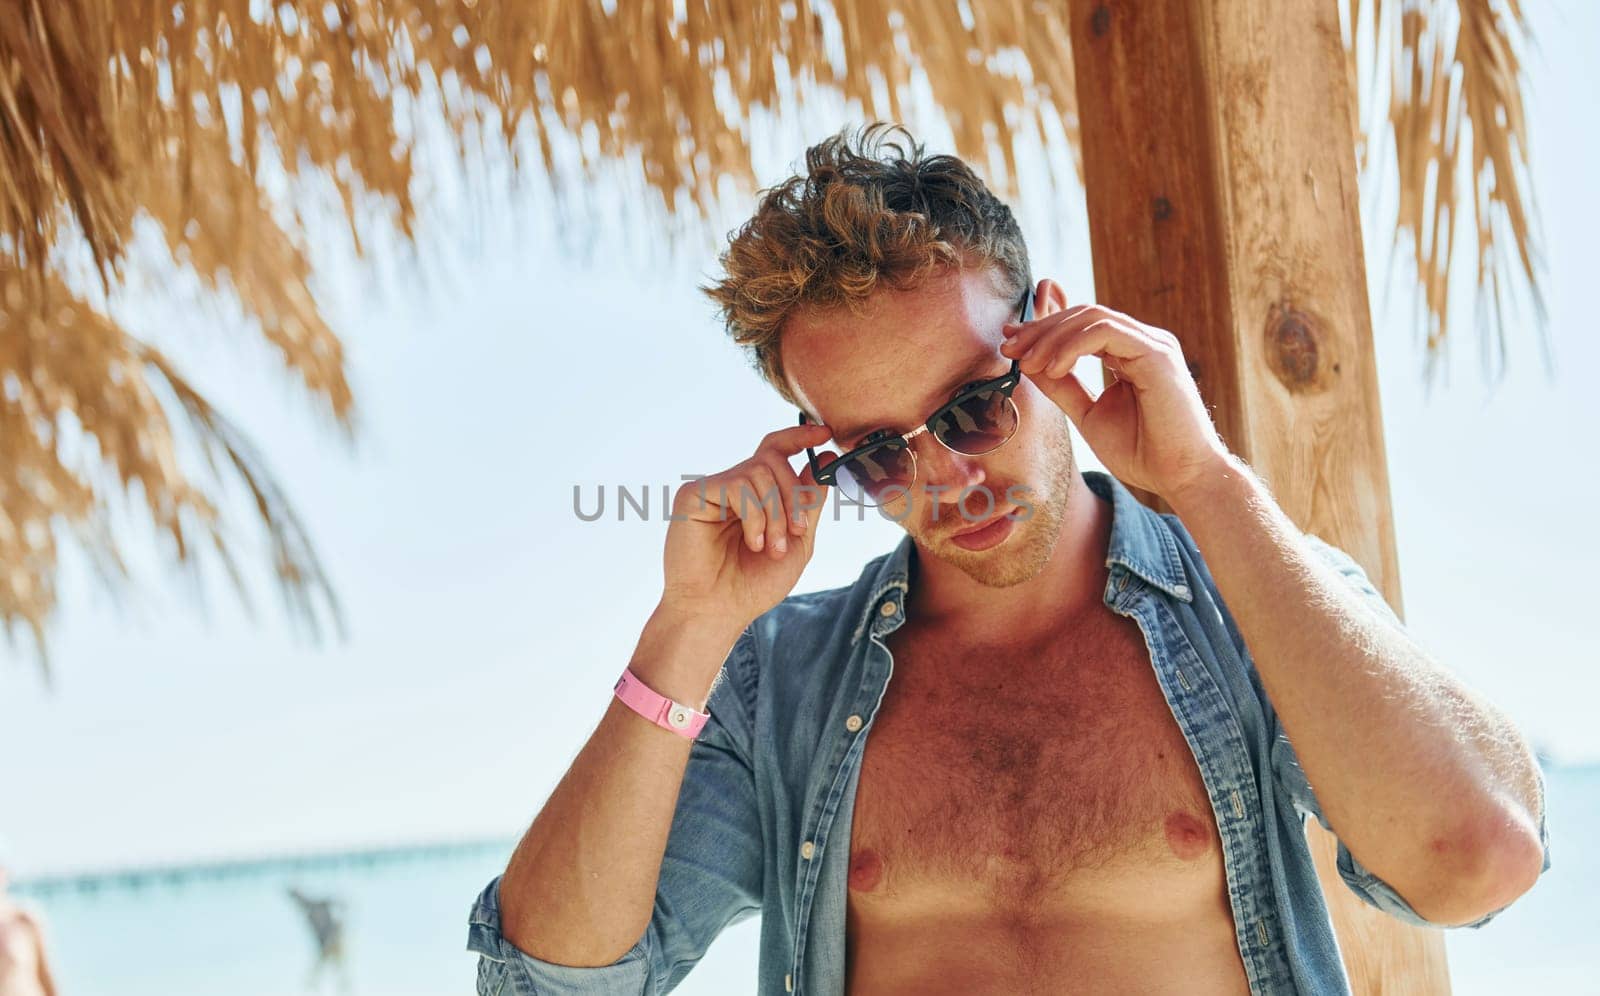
(871, 209)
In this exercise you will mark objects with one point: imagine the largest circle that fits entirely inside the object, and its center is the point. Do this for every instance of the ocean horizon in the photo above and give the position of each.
(230, 925)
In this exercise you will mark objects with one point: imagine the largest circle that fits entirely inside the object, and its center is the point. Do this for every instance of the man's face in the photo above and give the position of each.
(893, 366)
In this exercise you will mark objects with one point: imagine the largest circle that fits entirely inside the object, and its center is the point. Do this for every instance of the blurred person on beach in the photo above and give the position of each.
(1107, 725)
(325, 917)
(24, 967)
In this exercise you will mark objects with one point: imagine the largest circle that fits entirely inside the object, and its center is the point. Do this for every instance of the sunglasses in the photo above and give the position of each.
(980, 419)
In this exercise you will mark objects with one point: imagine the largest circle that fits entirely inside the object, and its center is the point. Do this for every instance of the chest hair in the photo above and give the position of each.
(1013, 768)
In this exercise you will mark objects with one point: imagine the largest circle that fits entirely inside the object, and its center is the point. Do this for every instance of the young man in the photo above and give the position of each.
(1105, 725)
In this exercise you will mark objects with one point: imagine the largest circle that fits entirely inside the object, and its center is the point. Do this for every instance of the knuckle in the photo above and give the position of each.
(687, 496)
(749, 514)
(762, 477)
(781, 467)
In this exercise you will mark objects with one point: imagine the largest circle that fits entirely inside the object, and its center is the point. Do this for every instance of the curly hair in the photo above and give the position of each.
(868, 212)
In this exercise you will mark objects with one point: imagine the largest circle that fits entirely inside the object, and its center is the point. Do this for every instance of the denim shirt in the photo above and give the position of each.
(762, 824)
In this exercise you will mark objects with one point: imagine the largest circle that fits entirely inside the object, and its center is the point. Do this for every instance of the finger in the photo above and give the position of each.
(1034, 360)
(1034, 352)
(1061, 363)
(742, 505)
(813, 497)
(702, 500)
(794, 519)
(1020, 336)
(1071, 322)
(1104, 338)
(1069, 395)
(795, 438)
(769, 502)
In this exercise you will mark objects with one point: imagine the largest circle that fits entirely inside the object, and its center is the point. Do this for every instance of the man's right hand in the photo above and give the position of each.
(580, 888)
(740, 539)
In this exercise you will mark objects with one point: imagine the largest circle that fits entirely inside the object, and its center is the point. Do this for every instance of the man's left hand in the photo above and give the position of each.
(1149, 426)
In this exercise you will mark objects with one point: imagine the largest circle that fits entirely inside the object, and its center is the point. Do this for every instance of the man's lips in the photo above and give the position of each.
(985, 524)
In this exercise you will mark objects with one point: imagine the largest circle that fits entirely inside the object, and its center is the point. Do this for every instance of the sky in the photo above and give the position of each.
(486, 622)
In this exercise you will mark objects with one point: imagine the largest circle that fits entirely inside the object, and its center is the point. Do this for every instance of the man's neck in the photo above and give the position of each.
(942, 596)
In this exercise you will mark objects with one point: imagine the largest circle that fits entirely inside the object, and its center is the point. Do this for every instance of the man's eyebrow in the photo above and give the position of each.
(969, 374)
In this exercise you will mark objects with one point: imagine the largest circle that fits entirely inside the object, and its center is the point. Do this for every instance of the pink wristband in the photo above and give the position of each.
(657, 708)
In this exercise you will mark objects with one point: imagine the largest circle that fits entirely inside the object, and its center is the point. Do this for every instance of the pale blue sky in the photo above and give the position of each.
(487, 623)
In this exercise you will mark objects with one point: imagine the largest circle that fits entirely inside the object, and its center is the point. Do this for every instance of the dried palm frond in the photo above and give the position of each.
(109, 114)
(81, 407)
(1455, 114)
(197, 117)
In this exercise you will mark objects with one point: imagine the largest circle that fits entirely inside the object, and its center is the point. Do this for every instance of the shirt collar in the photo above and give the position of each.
(1141, 543)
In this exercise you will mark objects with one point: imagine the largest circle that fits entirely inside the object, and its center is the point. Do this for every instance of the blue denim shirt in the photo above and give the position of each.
(763, 818)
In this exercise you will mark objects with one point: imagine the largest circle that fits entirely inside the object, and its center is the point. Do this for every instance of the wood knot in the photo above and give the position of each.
(1296, 348)
(1100, 21)
(1161, 208)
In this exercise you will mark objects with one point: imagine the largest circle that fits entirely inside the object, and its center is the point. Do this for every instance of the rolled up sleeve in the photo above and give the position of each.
(1292, 780)
(711, 871)
(504, 969)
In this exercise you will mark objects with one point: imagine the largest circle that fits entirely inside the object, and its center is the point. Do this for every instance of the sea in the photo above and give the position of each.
(232, 927)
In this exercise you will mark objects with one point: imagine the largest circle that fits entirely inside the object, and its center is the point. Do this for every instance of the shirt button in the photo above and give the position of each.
(1181, 590)
(788, 983)
(887, 609)
(853, 723)
(807, 850)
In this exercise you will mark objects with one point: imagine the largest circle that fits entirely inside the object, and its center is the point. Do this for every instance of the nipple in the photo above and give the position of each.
(866, 870)
(1187, 835)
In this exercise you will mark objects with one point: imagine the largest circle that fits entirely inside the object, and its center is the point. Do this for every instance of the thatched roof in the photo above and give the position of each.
(112, 112)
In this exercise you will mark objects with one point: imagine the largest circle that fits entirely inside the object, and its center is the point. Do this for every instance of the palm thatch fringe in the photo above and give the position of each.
(83, 420)
(1456, 117)
(190, 115)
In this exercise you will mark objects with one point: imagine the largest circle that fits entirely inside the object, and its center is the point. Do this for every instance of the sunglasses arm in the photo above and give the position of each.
(823, 475)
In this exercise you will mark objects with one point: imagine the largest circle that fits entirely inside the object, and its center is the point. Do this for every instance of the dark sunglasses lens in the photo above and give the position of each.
(878, 476)
(978, 424)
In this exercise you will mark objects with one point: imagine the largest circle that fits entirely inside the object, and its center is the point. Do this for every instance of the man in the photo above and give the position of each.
(24, 969)
(325, 917)
(1091, 768)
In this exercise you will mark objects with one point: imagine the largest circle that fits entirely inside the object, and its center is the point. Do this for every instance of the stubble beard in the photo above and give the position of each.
(1027, 550)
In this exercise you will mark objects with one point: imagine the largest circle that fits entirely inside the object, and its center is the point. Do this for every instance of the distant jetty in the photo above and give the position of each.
(150, 876)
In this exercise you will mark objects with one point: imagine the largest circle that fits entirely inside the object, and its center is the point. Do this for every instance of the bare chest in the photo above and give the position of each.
(1050, 781)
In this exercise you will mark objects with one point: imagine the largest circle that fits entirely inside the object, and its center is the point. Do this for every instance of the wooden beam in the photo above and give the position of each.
(1219, 166)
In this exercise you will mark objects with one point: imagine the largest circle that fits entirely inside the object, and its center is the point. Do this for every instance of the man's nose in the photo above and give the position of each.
(948, 470)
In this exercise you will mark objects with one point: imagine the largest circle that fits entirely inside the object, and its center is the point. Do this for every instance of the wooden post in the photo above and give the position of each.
(1219, 165)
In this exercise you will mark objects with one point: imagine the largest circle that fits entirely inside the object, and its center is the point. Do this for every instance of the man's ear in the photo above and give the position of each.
(1049, 298)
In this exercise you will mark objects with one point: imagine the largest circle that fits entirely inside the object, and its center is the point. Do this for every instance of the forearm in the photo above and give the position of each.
(580, 887)
(1432, 787)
